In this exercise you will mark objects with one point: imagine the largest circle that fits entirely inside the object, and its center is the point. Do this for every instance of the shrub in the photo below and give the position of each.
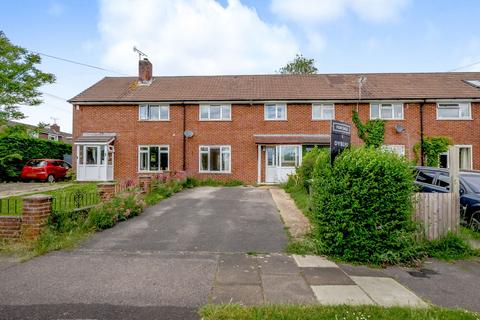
(449, 247)
(305, 171)
(362, 206)
(119, 208)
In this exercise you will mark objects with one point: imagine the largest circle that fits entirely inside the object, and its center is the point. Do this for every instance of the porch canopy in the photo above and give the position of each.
(96, 138)
(292, 139)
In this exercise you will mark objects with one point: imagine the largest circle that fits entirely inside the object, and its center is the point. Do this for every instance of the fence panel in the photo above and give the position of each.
(10, 206)
(74, 201)
(438, 212)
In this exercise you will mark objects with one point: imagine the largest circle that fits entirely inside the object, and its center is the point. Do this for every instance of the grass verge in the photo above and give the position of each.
(295, 312)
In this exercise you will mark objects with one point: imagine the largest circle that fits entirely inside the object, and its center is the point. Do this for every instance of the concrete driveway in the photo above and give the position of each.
(160, 265)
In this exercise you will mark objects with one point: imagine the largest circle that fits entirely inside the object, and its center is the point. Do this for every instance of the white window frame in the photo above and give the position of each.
(469, 146)
(458, 103)
(384, 105)
(298, 155)
(277, 105)
(221, 105)
(214, 146)
(322, 107)
(394, 148)
(148, 156)
(52, 137)
(149, 105)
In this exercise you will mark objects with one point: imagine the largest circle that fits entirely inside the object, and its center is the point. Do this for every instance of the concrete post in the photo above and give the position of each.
(36, 210)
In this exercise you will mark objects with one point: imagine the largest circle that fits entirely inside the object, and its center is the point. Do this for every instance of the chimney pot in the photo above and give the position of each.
(55, 127)
(144, 71)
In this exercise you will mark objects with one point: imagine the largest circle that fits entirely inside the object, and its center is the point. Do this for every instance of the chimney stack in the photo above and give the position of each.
(144, 71)
(55, 127)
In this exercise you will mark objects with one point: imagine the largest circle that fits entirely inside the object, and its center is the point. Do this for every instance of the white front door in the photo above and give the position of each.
(281, 161)
(271, 164)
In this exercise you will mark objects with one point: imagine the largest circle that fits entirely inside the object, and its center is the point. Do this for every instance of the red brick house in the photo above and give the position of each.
(255, 127)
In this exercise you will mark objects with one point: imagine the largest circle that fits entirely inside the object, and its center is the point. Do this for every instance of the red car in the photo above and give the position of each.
(45, 169)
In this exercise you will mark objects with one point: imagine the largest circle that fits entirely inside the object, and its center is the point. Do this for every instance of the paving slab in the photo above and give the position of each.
(238, 269)
(286, 289)
(242, 294)
(340, 294)
(309, 261)
(361, 271)
(277, 264)
(326, 276)
(388, 292)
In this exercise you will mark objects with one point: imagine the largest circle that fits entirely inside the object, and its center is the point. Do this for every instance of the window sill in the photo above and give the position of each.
(322, 119)
(215, 120)
(148, 172)
(455, 119)
(216, 172)
(402, 119)
(160, 120)
(275, 120)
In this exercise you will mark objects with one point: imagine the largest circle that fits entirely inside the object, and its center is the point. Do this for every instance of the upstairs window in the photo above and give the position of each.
(453, 111)
(154, 112)
(153, 158)
(275, 111)
(323, 111)
(215, 112)
(386, 111)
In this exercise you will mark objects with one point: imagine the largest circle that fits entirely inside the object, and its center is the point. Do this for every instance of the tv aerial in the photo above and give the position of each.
(140, 53)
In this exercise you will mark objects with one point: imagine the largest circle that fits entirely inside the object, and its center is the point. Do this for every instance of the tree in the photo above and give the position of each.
(19, 79)
(299, 65)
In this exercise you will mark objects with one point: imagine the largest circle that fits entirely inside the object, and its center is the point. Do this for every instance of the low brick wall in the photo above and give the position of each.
(10, 228)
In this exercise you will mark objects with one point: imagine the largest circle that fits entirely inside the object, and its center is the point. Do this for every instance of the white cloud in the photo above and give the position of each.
(192, 37)
(312, 12)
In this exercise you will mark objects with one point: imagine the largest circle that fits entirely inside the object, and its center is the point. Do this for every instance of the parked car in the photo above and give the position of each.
(45, 170)
(430, 179)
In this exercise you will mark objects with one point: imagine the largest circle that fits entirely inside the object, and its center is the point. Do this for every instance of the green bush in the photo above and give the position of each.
(15, 151)
(362, 207)
(305, 171)
(449, 247)
(119, 208)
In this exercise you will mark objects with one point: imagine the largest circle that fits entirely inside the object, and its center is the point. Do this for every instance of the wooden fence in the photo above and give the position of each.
(439, 213)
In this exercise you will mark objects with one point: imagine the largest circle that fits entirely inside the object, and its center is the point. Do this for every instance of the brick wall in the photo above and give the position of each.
(248, 120)
(10, 227)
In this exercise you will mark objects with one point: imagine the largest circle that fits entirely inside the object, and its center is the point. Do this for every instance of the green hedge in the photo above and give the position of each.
(362, 206)
(16, 151)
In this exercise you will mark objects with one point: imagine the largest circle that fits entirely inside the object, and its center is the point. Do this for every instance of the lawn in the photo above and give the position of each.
(65, 198)
(316, 312)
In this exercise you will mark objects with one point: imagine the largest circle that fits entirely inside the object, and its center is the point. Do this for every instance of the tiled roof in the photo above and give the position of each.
(283, 87)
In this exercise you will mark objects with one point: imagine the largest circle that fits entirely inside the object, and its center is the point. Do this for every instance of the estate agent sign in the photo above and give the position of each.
(340, 134)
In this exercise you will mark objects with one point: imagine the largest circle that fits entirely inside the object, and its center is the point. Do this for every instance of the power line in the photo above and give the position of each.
(53, 96)
(78, 63)
(465, 66)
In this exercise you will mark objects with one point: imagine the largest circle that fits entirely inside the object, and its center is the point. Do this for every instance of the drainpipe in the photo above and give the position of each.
(184, 138)
(422, 155)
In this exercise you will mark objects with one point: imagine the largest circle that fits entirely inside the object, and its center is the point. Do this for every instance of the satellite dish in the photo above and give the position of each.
(188, 134)
(399, 128)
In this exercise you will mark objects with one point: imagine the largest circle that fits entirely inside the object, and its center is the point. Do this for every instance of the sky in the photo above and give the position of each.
(208, 37)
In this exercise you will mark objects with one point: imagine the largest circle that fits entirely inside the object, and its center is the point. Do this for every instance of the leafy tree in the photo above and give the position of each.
(299, 65)
(19, 79)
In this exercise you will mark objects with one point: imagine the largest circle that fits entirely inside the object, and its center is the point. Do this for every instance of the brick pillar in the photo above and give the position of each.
(106, 190)
(145, 183)
(36, 210)
(10, 228)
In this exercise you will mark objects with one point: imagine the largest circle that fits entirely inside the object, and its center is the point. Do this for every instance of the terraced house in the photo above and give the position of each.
(255, 128)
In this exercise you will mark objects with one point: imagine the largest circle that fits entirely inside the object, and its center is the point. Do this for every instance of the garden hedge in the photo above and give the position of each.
(362, 206)
(16, 151)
